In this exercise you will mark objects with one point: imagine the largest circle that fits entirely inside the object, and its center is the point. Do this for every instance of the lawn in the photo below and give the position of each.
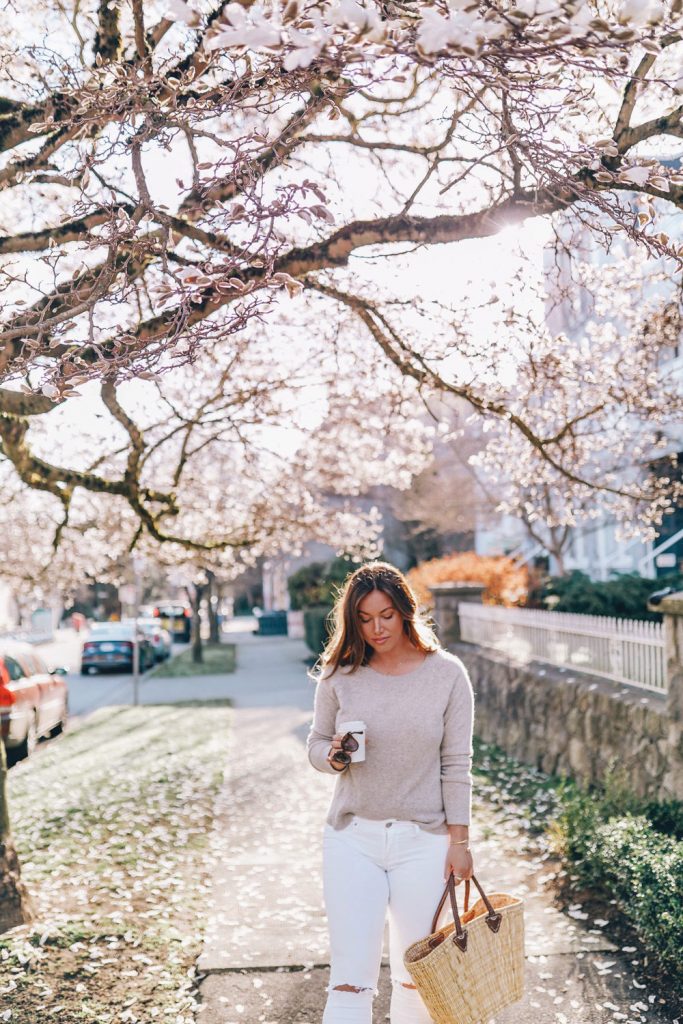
(111, 823)
(218, 659)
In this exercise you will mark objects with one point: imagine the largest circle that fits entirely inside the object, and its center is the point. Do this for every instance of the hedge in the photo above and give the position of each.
(624, 596)
(636, 863)
(318, 583)
(315, 628)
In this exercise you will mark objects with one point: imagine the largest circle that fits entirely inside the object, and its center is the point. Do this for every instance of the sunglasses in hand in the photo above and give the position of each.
(349, 745)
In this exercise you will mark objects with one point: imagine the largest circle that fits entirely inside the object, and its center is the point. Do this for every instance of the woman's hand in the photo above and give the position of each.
(458, 862)
(336, 745)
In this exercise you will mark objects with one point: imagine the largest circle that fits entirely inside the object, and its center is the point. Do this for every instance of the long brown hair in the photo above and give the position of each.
(346, 645)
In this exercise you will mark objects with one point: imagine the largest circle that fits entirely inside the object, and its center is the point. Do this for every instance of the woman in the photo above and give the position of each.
(398, 823)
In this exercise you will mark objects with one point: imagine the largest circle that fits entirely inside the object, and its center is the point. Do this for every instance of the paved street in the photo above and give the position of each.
(265, 957)
(86, 693)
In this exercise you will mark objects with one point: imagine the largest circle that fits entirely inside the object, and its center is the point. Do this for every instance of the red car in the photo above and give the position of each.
(34, 700)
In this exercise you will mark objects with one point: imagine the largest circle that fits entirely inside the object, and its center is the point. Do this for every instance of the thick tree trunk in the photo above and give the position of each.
(15, 903)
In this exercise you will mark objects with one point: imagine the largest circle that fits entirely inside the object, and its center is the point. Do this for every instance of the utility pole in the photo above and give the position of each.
(138, 563)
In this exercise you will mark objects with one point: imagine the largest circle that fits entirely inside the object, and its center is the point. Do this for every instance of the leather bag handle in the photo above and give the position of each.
(493, 918)
(442, 902)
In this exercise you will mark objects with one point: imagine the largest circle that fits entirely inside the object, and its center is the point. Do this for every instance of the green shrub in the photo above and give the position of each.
(305, 586)
(645, 871)
(316, 628)
(625, 596)
(623, 847)
(577, 821)
(666, 817)
(317, 584)
(632, 850)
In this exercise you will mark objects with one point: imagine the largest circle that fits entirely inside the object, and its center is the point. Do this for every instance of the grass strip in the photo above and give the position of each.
(218, 660)
(111, 822)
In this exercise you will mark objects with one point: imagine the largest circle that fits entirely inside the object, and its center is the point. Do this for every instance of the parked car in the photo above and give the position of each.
(34, 700)
(160, 638)
(111, 646)
(177, 619)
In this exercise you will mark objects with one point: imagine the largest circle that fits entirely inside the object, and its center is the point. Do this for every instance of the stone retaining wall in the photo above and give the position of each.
(566, 723)
(570, 723)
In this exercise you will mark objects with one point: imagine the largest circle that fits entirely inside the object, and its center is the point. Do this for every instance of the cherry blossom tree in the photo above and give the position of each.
(172, 170)
(212, 467)
(609, 396)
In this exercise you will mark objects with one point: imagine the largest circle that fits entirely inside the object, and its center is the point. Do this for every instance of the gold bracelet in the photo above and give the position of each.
(458, 842)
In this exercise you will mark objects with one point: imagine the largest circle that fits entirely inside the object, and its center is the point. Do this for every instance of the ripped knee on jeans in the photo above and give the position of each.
(349, 988)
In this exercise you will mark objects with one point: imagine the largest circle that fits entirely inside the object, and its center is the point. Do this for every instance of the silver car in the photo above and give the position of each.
(160, 638)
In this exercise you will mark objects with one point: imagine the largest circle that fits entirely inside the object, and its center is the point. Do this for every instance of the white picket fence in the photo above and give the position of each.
(626, 650)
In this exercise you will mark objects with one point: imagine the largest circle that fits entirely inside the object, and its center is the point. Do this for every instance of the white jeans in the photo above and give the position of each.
(368, 867)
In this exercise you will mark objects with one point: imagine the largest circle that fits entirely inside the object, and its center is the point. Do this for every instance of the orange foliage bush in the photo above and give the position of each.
(506, 582)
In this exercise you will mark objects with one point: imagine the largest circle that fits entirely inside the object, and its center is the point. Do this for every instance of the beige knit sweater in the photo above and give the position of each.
(418, 743)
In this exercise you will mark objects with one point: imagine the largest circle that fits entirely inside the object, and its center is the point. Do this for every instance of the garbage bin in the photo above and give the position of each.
(272, 624)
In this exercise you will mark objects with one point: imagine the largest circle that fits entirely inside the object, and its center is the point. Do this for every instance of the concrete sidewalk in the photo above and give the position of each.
(265, 958)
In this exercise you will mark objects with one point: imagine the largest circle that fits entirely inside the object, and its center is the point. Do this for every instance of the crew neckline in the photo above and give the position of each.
(402, 675)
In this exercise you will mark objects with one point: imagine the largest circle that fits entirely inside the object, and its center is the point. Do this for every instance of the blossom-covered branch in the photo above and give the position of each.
(170, 173)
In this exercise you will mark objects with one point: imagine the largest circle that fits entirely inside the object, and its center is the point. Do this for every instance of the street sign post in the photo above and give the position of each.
(138, 565)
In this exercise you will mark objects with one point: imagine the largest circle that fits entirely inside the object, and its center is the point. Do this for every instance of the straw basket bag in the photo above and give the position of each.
(469, 970)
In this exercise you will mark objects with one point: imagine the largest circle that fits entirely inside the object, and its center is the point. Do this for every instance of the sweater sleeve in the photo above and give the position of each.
(323, 727)
(456, 752)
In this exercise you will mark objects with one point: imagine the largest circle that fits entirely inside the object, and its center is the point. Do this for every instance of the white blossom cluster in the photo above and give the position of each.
(166, 183)
(304, 29)
(237, 485)
(605, 404)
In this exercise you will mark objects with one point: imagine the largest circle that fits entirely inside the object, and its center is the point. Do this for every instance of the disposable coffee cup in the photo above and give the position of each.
(358, 730)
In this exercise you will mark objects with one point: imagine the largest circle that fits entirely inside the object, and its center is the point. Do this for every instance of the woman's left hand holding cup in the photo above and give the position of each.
(336, 745)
